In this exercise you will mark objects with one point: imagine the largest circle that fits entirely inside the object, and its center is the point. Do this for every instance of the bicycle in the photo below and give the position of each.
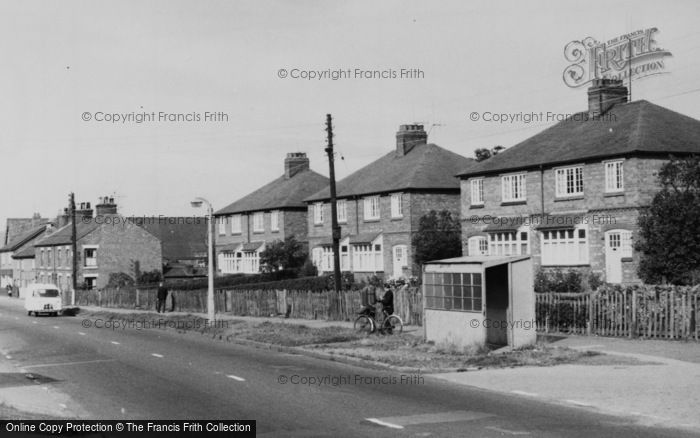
(366, 322)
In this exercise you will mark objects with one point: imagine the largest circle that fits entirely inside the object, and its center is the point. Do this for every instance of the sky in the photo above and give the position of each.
(69, 65)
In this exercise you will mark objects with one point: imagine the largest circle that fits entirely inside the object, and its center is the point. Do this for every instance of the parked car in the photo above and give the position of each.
(43, 298)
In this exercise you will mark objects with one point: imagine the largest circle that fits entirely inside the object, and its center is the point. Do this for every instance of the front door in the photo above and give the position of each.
(399, 260)
(613, 257)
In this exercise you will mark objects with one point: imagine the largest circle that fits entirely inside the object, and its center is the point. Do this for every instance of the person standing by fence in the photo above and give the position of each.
(162, 296)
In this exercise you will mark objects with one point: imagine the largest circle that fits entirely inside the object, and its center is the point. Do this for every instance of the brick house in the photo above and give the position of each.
(570, 196)
(183, 244)
(273, 212)
(107, 243)
(15, 229)
(18, 256)
(379, 206)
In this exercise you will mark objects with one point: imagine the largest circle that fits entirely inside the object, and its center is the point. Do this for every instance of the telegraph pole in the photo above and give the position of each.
(335, 229)
(74, 247)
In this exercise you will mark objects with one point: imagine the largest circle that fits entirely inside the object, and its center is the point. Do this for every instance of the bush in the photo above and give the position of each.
(118, 280)
(558, 281)
(308, 269)
(313, 284)
(231, 280)
(595, 281)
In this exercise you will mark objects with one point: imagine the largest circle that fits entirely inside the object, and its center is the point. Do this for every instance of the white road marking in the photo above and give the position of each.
(529, 394)
(62, 405)
(60, 364)
(115, 342)
(8, 356)
(438, 417)
(81, 333)
(506, 431)
(384, 423)
(578, 403)
(156, 355)
(34, 322)
(55, 327)
(236, 378)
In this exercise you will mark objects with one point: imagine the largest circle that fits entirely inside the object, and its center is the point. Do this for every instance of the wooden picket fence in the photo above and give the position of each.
(408, 302)
(655, 312)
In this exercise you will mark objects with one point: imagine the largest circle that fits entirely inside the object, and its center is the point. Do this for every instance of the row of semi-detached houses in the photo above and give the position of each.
(569, 196)
(107, 244)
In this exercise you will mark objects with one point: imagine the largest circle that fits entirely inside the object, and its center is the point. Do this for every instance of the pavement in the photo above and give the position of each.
(100, 373)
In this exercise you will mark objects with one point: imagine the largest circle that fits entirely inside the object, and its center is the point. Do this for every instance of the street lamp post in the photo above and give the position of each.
(197, 202)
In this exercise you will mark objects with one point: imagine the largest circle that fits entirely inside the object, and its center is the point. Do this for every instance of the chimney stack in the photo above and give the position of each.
(106, 206)
(409, 136)
(36, 220)
(83, 210)
(603, 94)
(294, 163)
(63, 218)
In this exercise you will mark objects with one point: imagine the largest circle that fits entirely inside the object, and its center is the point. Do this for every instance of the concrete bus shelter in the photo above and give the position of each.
(474, 301)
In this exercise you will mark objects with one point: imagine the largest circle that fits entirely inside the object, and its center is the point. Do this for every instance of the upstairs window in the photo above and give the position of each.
(90, 257)
(258, 222)
(614, 181)
(569, 181)
(318, 213)
(513, 188)
(371, 208)
(236, 224)
(222, 225)
(274, 220)
(477, 191)
(396, 205)
(342, 211)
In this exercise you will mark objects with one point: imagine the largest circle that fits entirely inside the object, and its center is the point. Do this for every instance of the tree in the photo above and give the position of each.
(482, 154)
(118, 280)
(669, 236)
(438, 237)
(287, 254)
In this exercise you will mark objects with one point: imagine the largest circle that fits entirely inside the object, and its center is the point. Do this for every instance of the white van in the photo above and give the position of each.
(43, 298)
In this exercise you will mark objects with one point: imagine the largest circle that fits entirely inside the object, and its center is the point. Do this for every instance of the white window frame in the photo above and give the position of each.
(514, 187)
(569, 181)
(85, 258)
(236, 224)
(368, 257)
(560, 248)
(275, 220)
(342, 211)
(397, 205)
(318, 213)
(614, 176)
(259, 222)
(478, 245)
(510, 243)
(477, 191)
(222, 225)
(372, 208)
